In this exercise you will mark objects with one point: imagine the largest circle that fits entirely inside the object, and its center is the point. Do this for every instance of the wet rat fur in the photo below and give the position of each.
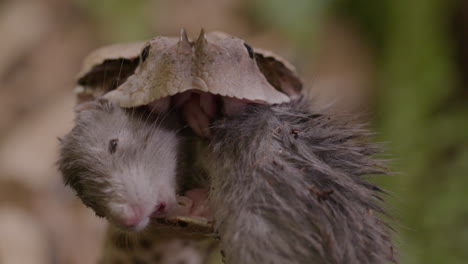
(288, 186)
(120, 160)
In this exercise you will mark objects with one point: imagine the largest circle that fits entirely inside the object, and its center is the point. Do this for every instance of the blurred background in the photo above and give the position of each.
(402, 63)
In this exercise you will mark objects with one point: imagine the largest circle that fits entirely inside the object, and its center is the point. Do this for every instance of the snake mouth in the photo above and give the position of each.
(199, 108)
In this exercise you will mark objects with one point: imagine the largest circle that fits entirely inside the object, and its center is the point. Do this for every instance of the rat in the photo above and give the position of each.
(287, 186)
(122, 162)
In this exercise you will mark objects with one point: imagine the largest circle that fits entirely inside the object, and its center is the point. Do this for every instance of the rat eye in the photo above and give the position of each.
(113, 145)
(249, 50)
(145, 53)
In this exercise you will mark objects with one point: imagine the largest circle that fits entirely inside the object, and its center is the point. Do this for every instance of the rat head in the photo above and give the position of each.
(121, 163)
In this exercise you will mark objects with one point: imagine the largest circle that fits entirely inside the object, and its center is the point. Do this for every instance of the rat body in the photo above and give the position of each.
(122, 163)
(287, 187)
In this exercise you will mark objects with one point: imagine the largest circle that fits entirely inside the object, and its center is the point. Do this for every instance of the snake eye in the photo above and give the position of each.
(249, 50)
(113, 145)
(144, 53)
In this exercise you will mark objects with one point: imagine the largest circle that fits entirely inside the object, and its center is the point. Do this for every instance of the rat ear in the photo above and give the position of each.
(279, 73)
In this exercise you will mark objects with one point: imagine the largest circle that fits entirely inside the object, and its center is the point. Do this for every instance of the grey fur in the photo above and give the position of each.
(287, 186)
(143, 166)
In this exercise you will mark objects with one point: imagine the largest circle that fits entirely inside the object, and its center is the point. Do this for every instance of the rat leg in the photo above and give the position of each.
(194, 203)
(198, 120)
(200, 206)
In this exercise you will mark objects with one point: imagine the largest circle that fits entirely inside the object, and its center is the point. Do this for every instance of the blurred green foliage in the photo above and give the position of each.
(298, 20)
(420, 114)
(122, 20)
(420, 110)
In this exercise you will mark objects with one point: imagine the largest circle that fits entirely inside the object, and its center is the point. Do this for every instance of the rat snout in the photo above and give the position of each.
(133, 218)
